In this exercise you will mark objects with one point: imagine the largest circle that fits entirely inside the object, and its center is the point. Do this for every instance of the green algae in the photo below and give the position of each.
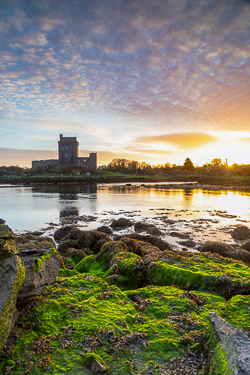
(43, 258)
(219, 362)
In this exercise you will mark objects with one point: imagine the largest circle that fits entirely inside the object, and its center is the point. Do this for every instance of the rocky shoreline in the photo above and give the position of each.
(99, 302)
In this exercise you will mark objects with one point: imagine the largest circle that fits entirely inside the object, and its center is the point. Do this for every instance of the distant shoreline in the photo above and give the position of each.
(207, 183)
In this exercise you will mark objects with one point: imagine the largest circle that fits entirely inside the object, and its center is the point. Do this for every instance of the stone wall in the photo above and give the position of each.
(88, 162)
(44, 163)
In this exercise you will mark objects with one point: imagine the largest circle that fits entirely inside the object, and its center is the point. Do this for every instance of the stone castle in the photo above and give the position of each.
(68, 155)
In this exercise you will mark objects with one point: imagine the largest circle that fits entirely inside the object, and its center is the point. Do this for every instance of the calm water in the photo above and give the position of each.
(32, 208)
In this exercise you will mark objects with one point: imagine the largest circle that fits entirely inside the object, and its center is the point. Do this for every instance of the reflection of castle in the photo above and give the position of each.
(68, 155)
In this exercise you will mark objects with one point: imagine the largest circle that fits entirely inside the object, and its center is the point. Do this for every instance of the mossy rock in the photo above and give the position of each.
(130, 268)
(85, 264)
(81, 315)
(89, 358)
(134, 246)
(109, 250)
(155, 241)
(209, 272)
(12, 275)
(226, 251)
(76, 255)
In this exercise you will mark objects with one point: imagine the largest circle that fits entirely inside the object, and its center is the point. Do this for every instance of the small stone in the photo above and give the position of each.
(97, 366)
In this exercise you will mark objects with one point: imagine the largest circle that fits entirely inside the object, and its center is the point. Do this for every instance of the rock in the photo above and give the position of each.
(158, 242)
(121, 223)
(42, 267)
(241, 233)
(236, 347)
(8, 247)
(94, 362)
(104, 229)
(37, 233)
(60, 233)
(67, 244)
(76, 254)
(12, 274)
(29, 241)
(246, 245)
(231, 347)
(226, 251)
(178, 234)
(2, 221)
(149, 228)
(220, 327)
(87, 239)
(134, 246)
(188, 243)
(97, 367)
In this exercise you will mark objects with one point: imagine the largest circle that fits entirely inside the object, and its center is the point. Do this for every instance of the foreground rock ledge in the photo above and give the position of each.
(12, 274)
(232, 352)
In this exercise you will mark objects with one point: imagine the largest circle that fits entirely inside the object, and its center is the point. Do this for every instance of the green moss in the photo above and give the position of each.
(85, 264)
(219, 362)
(43, 258)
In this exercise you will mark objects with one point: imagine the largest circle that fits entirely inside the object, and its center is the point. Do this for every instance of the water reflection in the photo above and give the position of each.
(32, 207)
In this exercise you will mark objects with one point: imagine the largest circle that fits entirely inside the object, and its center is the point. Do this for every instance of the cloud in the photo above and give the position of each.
(172, 66)
(179, 140)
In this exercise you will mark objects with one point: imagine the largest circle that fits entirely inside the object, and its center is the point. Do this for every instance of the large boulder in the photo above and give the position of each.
(226, 251)
(241, 233)
(42, 268)
(12, 274)
(231, 347)
(41, 261)
(8, 246)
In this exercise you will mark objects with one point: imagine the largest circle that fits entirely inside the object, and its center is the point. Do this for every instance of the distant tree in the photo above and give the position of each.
(216, 162)
(188, 165)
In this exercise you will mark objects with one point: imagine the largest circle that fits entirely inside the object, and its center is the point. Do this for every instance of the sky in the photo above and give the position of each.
(154, 81)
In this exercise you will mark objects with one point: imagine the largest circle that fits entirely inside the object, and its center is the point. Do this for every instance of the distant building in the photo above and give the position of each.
(68, 155)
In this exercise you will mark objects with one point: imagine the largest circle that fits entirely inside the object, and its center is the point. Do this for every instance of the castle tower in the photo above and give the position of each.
(68, 150)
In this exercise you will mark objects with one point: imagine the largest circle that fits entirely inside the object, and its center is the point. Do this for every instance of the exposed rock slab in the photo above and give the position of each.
(42, 267)
(237, 347)
(12, 274)
(220, 327)
(232, 349)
